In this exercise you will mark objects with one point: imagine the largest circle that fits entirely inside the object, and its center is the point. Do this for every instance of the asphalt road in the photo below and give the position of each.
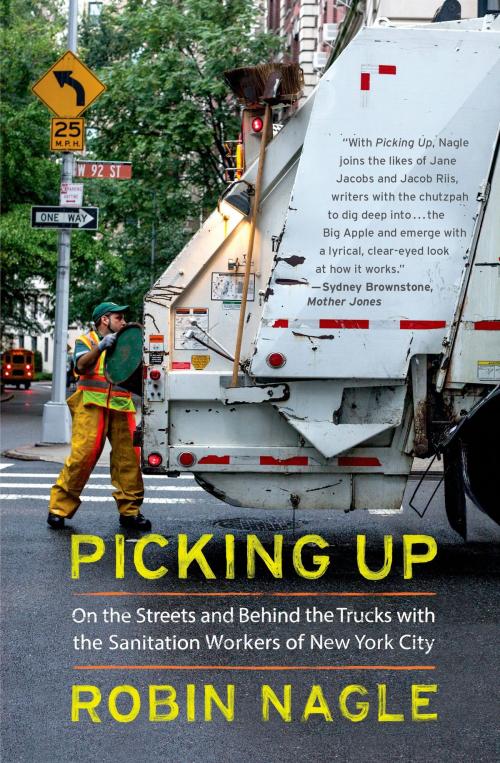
(42, 607)
(22, 415)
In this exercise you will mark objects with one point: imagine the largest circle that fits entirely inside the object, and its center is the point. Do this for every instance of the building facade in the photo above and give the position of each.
(310, 27)
(40, 337)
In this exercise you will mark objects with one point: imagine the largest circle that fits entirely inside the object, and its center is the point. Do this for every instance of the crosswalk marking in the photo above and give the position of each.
(386, 512)
(104, 476)
(105, 499)
(166, 488)
(99, 481)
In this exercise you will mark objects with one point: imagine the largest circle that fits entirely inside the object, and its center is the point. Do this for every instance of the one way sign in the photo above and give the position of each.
(65, 217)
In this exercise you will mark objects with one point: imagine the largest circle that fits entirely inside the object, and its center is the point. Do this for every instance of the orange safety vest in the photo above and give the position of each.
(95, 387)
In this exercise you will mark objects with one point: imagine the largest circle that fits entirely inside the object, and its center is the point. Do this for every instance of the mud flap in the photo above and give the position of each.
(472, 458)
(454, 493)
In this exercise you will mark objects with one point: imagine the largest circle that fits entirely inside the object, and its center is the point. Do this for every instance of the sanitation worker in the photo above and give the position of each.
(99, 410)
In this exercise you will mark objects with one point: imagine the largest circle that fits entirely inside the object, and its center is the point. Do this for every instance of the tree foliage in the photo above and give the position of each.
(29, 175)
(32, 40)
(166, 109)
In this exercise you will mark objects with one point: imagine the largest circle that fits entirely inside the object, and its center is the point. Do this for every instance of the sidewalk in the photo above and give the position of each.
(57, 453)
(49, 452)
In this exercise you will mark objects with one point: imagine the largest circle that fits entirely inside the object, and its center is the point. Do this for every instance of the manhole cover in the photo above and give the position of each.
(272, 525)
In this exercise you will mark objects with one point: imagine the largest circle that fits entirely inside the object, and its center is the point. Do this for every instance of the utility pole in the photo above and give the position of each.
(56, 426)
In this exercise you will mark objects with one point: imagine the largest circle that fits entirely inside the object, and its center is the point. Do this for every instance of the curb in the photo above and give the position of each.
(52, 453)
(25, 453)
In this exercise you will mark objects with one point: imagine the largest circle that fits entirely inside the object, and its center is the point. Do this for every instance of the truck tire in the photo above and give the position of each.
(471, 463)
(27, 385)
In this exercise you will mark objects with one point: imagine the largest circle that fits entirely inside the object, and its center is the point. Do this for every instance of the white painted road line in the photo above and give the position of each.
(386, 512)
(104, 476)
(96, 499)
(166, 488)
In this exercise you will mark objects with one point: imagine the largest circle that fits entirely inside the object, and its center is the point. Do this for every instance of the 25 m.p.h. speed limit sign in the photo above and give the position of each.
(67, 134)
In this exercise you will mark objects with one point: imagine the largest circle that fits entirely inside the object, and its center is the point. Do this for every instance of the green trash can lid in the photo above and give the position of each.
(126, 355)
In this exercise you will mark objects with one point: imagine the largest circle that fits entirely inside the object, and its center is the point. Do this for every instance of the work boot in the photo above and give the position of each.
(55, 521)
(135, 522)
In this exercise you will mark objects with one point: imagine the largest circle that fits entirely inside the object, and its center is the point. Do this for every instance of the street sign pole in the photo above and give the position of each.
(56, 427)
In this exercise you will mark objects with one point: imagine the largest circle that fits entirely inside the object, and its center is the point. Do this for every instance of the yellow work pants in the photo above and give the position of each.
(91, 425)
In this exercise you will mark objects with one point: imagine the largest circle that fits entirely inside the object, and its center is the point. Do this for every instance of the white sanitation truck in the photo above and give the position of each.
(371, 330)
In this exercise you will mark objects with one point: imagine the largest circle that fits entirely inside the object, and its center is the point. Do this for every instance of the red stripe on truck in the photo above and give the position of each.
(215, 460)
(422, 324)
(339, 323)
(487, 326)
(280, 323)
(365, 81)
(294, 461)
(386, 69)
(358, 461)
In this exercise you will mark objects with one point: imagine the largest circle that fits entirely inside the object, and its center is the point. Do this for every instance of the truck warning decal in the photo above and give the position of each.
(186, 321)
(156, 343)
(488, 370)
(200, 361)
(228, 287)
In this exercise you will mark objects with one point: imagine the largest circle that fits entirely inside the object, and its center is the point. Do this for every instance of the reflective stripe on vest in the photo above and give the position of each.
(95, 387)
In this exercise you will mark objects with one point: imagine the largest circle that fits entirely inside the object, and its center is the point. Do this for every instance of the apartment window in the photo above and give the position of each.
(46, 350)
(34, 343)
(20, 340)
(488, 6)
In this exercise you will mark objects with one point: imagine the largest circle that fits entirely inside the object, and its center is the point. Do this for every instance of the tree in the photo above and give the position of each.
(30, 174)
(168, 110)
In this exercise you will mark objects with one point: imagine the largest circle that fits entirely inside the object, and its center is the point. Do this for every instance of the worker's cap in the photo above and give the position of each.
(107, 307)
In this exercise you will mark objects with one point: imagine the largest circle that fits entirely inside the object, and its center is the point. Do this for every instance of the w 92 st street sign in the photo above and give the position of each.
(104, 170)
(81, 218)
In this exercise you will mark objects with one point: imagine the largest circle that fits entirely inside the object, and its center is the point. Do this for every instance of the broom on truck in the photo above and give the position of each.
(268, 84)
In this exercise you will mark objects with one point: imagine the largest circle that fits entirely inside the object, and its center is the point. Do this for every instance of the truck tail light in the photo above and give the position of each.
(154, 374)
(257, 124)
(9, 366)
(28, 366)
(276, 360)
(154, 459)
(252, 132)
(187, 459)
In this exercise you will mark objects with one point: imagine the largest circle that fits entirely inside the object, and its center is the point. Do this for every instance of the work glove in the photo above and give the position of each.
(107, 342)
